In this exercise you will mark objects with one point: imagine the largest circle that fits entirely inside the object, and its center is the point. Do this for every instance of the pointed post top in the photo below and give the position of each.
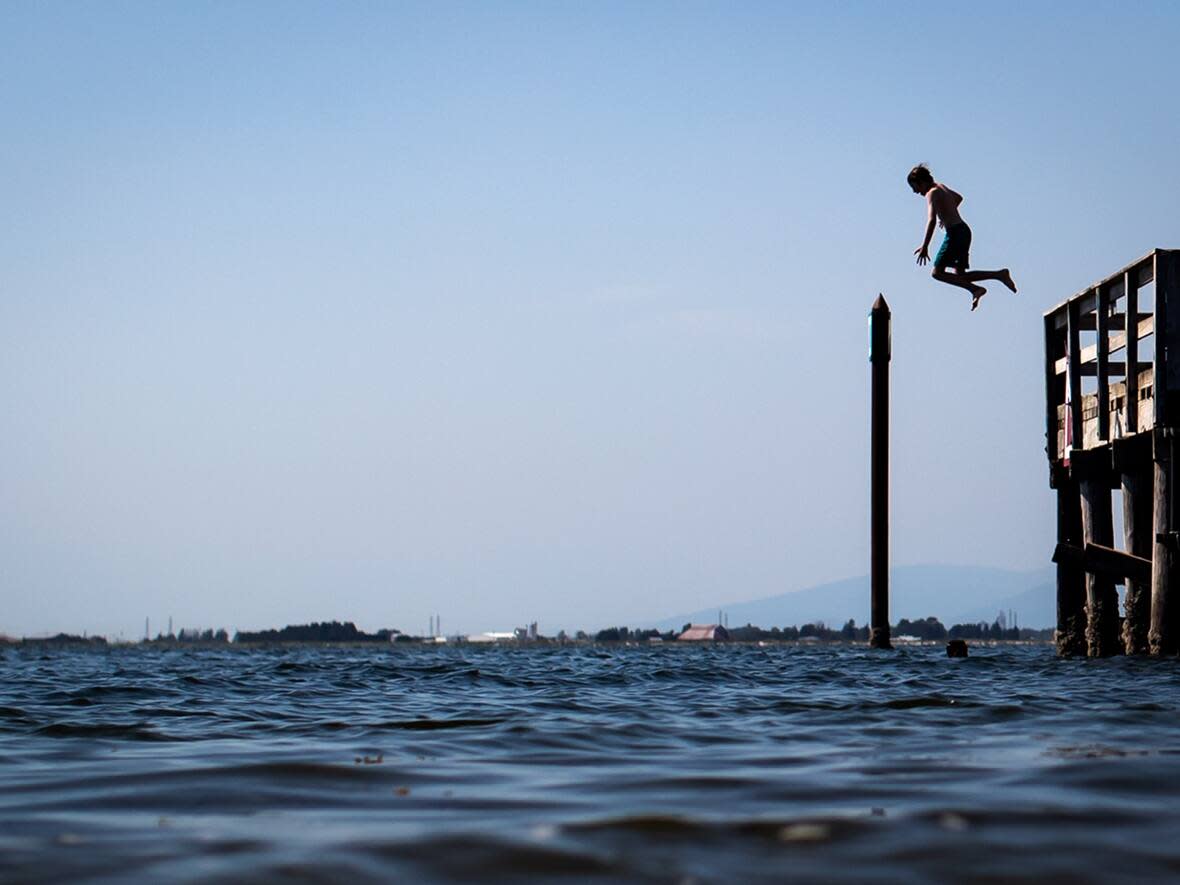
(880, 323)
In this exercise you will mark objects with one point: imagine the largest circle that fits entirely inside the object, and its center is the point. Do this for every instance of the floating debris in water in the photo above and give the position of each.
(954, 822)
(804, 832)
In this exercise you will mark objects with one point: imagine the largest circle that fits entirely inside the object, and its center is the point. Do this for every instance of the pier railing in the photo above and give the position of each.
(1103, 356)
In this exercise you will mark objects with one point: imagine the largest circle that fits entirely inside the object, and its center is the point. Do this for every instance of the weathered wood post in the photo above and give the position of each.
(1102, 601)
(1161, 636)
(1060, 344)
(1137, 540)
(1135, 456)
(879, 356)
(1071, 579)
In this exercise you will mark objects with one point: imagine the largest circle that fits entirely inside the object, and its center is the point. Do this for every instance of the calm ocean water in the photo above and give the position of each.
(645, 764)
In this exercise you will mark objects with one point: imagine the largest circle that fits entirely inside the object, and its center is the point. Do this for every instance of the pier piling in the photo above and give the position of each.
(1102, 601)
(880, 344)
(1161, 637)
(1137, 539)
(1071, 579)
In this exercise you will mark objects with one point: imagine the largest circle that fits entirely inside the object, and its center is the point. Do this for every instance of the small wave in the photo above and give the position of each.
(129, 732)
(914, 703)
(473, 858)
(583, 764)
(434, 724)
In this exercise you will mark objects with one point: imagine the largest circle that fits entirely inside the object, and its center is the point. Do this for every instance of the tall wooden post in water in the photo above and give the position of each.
(879, 355)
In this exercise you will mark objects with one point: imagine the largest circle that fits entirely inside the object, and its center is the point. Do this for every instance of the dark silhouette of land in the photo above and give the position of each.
(329, 631)
(346, 632)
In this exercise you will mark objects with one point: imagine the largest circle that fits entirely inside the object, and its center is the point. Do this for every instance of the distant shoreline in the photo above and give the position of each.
(174, 645)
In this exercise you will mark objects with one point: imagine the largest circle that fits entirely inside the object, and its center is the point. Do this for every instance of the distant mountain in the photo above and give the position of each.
(953, 594)
(1035, 607)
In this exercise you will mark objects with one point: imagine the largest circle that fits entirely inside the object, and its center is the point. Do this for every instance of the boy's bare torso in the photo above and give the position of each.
(944, 204)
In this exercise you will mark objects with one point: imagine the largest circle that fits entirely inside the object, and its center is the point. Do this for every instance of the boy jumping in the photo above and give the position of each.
(942, 206)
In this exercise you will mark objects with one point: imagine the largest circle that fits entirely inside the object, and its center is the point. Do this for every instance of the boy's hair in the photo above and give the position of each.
(920, 174)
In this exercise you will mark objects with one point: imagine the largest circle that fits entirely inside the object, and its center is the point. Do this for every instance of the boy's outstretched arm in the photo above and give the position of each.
(922, 251)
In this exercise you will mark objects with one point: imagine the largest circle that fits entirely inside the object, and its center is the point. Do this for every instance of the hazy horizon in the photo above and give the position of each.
(534, 312)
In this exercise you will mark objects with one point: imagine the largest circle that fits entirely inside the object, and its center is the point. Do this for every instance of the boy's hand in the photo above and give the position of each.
(923, 254)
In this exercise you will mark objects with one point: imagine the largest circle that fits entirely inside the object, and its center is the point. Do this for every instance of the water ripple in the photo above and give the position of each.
(645, 764)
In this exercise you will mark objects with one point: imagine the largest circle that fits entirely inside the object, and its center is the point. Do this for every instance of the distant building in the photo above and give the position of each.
(491, 637)
(526, 634)
(705, 633)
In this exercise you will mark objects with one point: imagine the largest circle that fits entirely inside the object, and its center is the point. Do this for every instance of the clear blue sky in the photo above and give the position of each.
(535, 311)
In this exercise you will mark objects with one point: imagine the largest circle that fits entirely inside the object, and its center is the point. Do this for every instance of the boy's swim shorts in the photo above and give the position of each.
(955, 248)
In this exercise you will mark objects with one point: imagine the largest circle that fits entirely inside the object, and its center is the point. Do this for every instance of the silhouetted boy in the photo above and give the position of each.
(942, 206)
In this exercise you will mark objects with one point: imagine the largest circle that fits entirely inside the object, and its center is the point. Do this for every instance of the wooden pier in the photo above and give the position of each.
(1112, 385)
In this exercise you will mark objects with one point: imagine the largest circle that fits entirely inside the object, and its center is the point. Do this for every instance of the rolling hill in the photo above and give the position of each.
(953, 594)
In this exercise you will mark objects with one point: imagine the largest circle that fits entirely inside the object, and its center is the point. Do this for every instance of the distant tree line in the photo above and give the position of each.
(627, 634)
(995, 630)
(926, 628)
(329, 631)
(818, 630)
(196, 636)
(65, 639)
(930, 629)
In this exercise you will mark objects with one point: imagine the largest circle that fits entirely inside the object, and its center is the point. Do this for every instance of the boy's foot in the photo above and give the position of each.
(977, 292)
(1006, 279)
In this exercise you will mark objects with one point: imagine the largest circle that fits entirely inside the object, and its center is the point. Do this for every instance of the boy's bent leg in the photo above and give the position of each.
(1004, 276)
(960, 280)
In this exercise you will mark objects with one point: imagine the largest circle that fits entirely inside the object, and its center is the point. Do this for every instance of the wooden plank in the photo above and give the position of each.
(1106, 562)
(1145, 327)
(1143, 268)
(1117, 318)
(1117, 564)
(1131, 337)
(1102, 363)
(1090, 369)
(1085, 304)
(1117, 342)
(1073, 378)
